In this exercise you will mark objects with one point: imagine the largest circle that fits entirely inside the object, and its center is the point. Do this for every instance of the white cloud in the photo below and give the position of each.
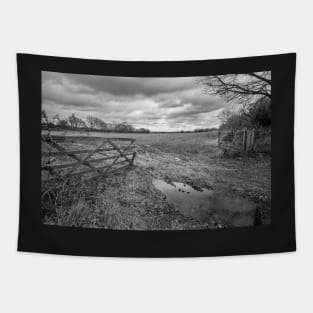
(160, 104)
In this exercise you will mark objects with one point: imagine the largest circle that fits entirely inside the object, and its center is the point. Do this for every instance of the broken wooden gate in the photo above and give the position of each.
(236, 140)
(58, 153)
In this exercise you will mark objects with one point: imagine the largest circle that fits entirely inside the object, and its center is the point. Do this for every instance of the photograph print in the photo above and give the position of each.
(156, 153)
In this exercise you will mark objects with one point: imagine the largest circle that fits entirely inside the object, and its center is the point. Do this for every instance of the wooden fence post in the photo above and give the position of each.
(244, 138)
(252, 139)
(133, 158)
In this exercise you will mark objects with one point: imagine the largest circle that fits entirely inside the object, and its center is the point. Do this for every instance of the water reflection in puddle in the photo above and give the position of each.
(202, 203)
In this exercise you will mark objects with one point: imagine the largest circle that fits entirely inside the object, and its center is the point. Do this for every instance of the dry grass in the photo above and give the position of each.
(125, 201)
(180, 143)
(71, 202)
(185, 144)
(129, 201)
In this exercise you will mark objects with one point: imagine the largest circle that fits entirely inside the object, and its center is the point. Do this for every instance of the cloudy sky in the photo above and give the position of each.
(159, 104)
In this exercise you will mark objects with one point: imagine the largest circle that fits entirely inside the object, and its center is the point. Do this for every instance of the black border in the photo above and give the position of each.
(279, 236)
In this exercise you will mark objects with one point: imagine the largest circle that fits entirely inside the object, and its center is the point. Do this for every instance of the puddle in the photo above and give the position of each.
(202, 203)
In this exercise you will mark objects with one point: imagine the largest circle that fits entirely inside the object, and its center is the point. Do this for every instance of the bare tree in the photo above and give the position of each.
(245, 89)
(76, 122)
(91, 121)
(44, 117)
(56, 119)
(96, 123)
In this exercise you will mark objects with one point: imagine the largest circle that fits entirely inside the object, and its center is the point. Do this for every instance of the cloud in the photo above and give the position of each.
(120, 85)
(165, 104)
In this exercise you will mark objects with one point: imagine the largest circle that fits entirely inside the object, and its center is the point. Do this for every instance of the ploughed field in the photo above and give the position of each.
(178, 181)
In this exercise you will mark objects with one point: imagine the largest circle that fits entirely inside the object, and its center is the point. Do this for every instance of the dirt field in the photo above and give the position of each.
(130, 199)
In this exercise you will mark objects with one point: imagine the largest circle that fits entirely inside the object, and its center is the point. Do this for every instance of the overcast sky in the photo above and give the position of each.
(159, 104)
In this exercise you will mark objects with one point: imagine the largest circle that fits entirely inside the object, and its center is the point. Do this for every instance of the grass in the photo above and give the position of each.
(129, 201)
(72, 202)
(180, 143)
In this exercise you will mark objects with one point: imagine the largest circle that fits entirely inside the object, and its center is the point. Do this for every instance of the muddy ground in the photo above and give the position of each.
(129, 199)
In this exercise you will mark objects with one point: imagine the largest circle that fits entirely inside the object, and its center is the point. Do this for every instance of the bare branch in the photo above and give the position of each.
(242, 88)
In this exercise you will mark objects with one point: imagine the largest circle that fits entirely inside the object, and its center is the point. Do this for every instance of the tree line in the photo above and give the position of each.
(91, 123)
(257, 115)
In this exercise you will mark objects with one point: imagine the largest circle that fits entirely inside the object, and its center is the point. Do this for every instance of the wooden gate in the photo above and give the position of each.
(239, 140)
(58, 151)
